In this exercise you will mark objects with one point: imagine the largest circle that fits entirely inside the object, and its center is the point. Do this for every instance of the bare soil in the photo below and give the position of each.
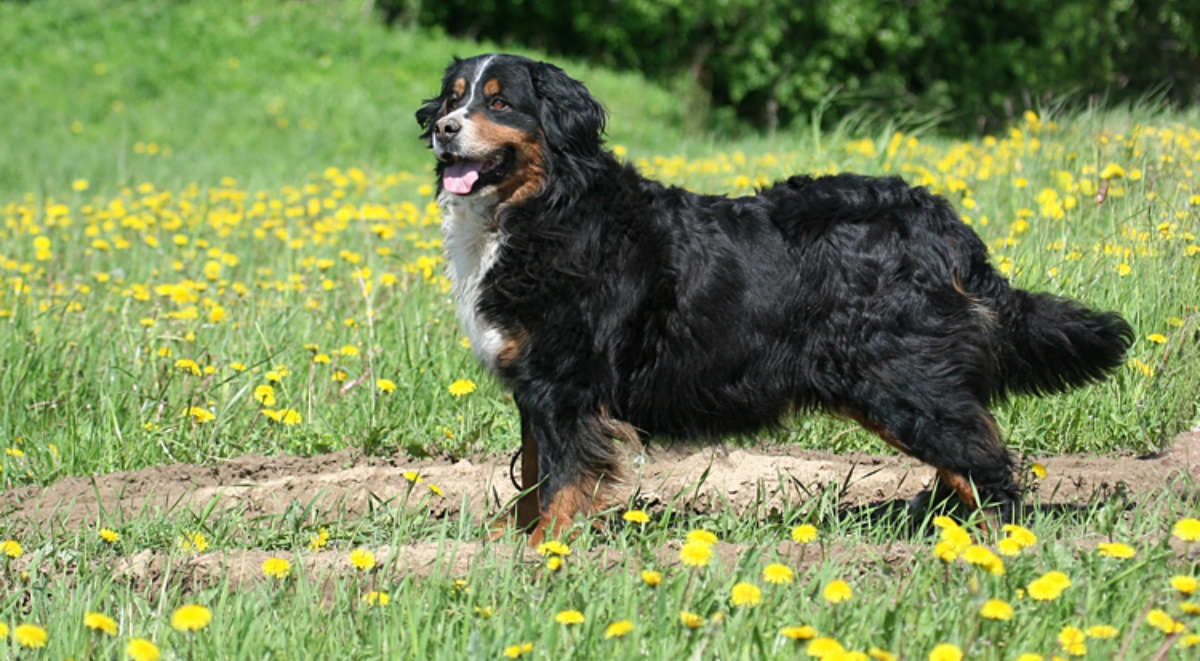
(748, 482)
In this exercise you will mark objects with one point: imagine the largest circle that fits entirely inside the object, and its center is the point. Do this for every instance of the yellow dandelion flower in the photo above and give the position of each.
(1124, 269)
(140, 649)
(109, 536)
(778, 574)
(264, 395)
(837, 591)
(193, 541)
(11, 548)
(318, 541)
(435, 490)
(618, 629)
(1190, 640)
(1159, 619)
(238, 367)
(1157, 338)
(188, 365)
(982, 556)
(276, 567)
(31, 636)
(1116, 550)
(802, 632)
(1030, 656)
(516, 651)
(385, 385)
(199, 415)
(79, 185)
(652, 578)
(375, 598)
(321, 359)
(636, 516)
(100, 622)
(362, 559)
(1185, 584)
(1009, 547)
(824, 647)
(485, 612)
(191, 617)
(1187, 529)
(3, 630)
(1102, 632)
(1189, 607)
(996, 609)
(553, 547)
(804, 533)
(1038, 470)
(745, 594)
(945, 652)
(1049, 586)
(1073, 641)
(569, 617)
(554, 563)
(696, 554)
(1112, 171)
(1021, 536)
(882, 655)
(691, 620)
(702, 536)
(462, 387)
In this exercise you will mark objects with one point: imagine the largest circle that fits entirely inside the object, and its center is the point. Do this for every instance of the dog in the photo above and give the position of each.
(616, 308)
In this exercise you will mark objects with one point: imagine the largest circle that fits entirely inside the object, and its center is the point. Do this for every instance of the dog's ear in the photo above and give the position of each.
(427, 113)
(570, 116)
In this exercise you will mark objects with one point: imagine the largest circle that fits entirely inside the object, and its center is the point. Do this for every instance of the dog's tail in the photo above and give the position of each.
(1048, 344)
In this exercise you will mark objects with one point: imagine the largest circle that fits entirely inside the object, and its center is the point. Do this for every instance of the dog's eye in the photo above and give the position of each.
(498, 104)
(452, 103)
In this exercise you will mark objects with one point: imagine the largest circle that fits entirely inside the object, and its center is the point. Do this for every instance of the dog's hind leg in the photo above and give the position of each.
(953, 432)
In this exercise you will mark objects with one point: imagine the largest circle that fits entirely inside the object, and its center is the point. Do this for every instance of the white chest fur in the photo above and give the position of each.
(472, 244)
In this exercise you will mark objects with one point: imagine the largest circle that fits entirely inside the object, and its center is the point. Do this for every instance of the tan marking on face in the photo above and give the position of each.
(491, 87)
(528, 173)
(460, 87)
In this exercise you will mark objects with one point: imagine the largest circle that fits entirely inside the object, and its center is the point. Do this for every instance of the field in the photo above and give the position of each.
(232, 379)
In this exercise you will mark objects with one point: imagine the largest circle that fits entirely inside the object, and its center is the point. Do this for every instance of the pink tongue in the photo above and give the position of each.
(460, 177)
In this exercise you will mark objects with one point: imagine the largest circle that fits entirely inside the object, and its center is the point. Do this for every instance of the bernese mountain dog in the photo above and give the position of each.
(617, 308)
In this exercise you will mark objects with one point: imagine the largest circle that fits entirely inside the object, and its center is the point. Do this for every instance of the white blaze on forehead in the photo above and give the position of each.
(461, 110)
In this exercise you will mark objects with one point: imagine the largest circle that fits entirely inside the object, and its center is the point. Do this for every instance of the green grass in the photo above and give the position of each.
(161, 203)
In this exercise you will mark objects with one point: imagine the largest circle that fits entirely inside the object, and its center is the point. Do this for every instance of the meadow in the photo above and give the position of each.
(233, 248)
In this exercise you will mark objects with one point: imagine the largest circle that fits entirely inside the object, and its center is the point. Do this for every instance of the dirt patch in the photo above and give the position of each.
(695, 480)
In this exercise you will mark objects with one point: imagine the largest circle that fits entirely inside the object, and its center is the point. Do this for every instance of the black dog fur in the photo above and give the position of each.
(618, 307)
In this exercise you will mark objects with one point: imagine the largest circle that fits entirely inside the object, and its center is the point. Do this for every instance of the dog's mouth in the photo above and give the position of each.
(464, 176)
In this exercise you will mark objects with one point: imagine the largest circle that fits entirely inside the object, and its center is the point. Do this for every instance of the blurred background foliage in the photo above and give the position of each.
(973, 63)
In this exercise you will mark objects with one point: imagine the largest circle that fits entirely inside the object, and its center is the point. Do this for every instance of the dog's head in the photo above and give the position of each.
(502, 122)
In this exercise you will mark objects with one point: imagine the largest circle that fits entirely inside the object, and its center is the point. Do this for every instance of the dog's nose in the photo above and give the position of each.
(446, 128)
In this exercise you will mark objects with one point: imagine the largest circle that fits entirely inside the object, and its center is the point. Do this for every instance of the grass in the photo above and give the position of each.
(183, 228)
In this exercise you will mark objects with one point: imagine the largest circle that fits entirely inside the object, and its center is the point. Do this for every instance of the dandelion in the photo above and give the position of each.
(1021, 536)
(1116, 550)
(837, 591)
(778, 574)
(462, 387)
(1189, 607)
(191, 617)
(982, 556)
(618, 629)
(264, 395)
(375, 598)
(555, 563)
(140, 649)
(553, 547)
(804, 533)
(109, 536)
(1187, 530)
(193, 541)
(276, 568)
(516, 651)
(31, 636)
(385, 385)
(3, 630)
(188, 365)
(1049, 586)
(702, 537)
(652, 578)
(996, 609)
(691, 620)
(100, 622)
(485, 612)
(636, 516)
(11, 548)
(1038, 470)
(824, 648)
(802, 632)
(946, 652)
(1030, 656)
(362, 559)
(199, 415)
(745, 594)
(1185, 584)
(318, 541)
(435, 490)
(1073, 641)
(1101, 631)
(1190, 640)
(1112, 171)
(569, 617)
(1159, 619)
(696, 554)
(882, 655)
(1157, 338)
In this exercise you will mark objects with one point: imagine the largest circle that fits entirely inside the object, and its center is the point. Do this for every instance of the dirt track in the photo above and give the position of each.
(750, 483)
